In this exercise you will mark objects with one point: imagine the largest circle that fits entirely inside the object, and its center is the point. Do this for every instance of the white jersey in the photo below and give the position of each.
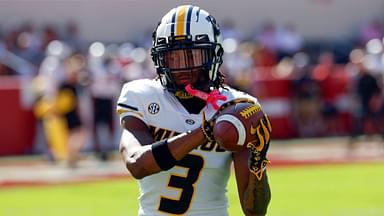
(197, 184)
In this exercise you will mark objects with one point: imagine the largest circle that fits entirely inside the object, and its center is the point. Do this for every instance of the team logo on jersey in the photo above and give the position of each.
(153, 108)
(190, 121)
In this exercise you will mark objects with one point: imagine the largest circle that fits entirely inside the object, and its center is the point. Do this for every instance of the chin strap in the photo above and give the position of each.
(210, 98)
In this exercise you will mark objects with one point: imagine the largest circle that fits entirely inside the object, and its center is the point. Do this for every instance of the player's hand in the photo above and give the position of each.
(259, 147)
(207, 125)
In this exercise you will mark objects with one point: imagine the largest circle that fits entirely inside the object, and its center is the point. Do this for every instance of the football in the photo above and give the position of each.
(237, 125)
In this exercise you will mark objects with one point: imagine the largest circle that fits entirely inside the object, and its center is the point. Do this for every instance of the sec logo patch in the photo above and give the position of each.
(153, 108)
(190, 121)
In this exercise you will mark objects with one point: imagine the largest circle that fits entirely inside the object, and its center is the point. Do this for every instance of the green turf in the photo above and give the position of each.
(350, 190)
(335, 190)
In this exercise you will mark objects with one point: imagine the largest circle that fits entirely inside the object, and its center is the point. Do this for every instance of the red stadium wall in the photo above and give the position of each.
(17, 124)
(275, 96)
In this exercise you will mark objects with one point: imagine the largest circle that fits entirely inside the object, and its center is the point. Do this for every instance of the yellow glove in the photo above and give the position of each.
(258, 148)
(207, 128)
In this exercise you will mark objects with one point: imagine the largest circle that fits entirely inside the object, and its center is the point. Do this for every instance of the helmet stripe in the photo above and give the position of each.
(197, 14)
(189, 15)
(180, 24)
(173, 23)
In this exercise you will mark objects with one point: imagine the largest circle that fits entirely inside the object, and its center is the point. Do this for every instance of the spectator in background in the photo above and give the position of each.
(46, 105)
(307, 98)
(104, 89)
(325, 74)
(369, 114)
(69, 98)
(51, 123)
(57, 102)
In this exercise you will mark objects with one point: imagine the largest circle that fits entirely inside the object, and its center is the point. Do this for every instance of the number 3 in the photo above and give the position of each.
(194, 164)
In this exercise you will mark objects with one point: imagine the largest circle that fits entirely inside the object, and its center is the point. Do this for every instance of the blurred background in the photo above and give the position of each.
(317, 67)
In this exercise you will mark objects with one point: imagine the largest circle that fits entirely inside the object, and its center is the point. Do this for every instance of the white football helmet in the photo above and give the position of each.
(187, 39)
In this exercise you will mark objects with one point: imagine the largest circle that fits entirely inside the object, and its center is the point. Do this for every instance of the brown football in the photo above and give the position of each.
(236, 125)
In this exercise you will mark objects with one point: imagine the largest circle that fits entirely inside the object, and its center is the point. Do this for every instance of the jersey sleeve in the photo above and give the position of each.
(129, 103)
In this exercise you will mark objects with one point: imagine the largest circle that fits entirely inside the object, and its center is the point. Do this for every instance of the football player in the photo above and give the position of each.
(167, 141)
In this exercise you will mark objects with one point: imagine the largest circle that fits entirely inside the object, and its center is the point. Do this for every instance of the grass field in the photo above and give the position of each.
(321, 190)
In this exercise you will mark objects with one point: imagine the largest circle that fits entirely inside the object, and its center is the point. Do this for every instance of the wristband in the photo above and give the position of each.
(162, 155)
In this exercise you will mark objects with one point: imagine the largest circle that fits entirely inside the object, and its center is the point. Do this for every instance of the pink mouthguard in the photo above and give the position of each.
(210, 98)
